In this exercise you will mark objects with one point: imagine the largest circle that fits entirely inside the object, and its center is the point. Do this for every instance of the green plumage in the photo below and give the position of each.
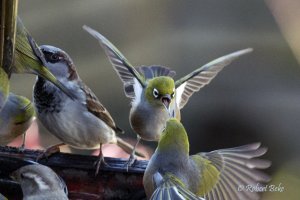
(212, 175)
(4, 87)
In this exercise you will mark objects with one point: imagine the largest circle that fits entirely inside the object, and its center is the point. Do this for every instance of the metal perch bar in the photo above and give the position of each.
(78, 171)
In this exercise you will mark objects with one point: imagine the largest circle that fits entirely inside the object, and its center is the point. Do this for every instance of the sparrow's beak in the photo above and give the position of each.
(166, 100)
(46, 74)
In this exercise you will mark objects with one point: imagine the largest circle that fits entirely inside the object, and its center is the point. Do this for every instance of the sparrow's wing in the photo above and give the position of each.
(168, 188)
(228, 173)
(95, 107)
(193, 82)
(127, 73)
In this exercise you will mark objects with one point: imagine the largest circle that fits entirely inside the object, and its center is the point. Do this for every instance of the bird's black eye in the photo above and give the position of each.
(173, 95)
(54, 57)
(155, 93)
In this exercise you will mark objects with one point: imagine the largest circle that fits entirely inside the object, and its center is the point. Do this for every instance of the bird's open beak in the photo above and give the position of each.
(166, 100)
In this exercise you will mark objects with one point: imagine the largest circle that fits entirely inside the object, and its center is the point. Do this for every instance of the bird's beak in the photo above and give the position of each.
(43, 72)
(166, 100)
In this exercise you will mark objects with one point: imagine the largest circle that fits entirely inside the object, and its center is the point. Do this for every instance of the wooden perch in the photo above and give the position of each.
(78, 171)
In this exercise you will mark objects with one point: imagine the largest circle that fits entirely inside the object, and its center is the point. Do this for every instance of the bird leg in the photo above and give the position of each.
(22, 147)
(132, 157)
(100, 160)
(49, 151)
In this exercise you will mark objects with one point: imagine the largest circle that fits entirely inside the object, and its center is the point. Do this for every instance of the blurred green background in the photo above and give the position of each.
(254, 99)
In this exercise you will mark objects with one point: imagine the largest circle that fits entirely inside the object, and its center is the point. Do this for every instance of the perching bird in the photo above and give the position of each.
(82, 124)
(40, 182)
(15, 118)
(213, 175)
(4, 87)
(29, 59)
(152, 88)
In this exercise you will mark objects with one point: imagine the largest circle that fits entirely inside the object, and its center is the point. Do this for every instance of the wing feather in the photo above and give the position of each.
(237, 167)
(168, 188)
(95, 107)
(202, 76)
(125, 70)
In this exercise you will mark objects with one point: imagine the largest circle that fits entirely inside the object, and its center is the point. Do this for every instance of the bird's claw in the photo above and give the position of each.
(48, 152)
(130, 162)
(98, 163)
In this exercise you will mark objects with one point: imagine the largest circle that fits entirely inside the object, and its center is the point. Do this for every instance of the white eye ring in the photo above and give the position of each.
(155, 93)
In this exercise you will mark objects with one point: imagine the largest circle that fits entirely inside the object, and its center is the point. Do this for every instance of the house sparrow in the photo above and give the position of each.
(40, 182)
(154, 93)
(82, 124)
(213, 175)
(15, 118)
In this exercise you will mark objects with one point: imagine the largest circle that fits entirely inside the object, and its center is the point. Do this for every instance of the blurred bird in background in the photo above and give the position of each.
(154, 93)
(15, 118)
(212, 175)
(40, 182)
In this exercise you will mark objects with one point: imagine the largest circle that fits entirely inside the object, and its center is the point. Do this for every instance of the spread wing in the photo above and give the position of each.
(167, 188)
(233, 170)
(125, 70)
(193, 82)
(94, 106)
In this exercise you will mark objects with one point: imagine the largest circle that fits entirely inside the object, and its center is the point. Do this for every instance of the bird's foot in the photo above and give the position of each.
(130, 161)
(48, 152)
(21, 148)
(98, 163)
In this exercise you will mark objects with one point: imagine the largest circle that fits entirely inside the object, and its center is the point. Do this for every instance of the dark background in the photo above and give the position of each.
(254, 99)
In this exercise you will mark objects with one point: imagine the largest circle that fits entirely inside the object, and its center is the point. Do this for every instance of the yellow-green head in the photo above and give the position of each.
(160, 91)
(174, 135)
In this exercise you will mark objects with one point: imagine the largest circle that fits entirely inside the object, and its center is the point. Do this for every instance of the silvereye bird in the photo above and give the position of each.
(82, 124)
(213, 175)
(154, 93)
(29, 58)
(4, 87)
(40, 182)
(15, 118)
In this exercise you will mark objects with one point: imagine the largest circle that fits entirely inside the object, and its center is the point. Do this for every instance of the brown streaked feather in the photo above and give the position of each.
(94, 106)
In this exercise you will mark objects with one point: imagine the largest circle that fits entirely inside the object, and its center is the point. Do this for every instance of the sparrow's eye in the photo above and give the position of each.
(155, 93)
(54, 57)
